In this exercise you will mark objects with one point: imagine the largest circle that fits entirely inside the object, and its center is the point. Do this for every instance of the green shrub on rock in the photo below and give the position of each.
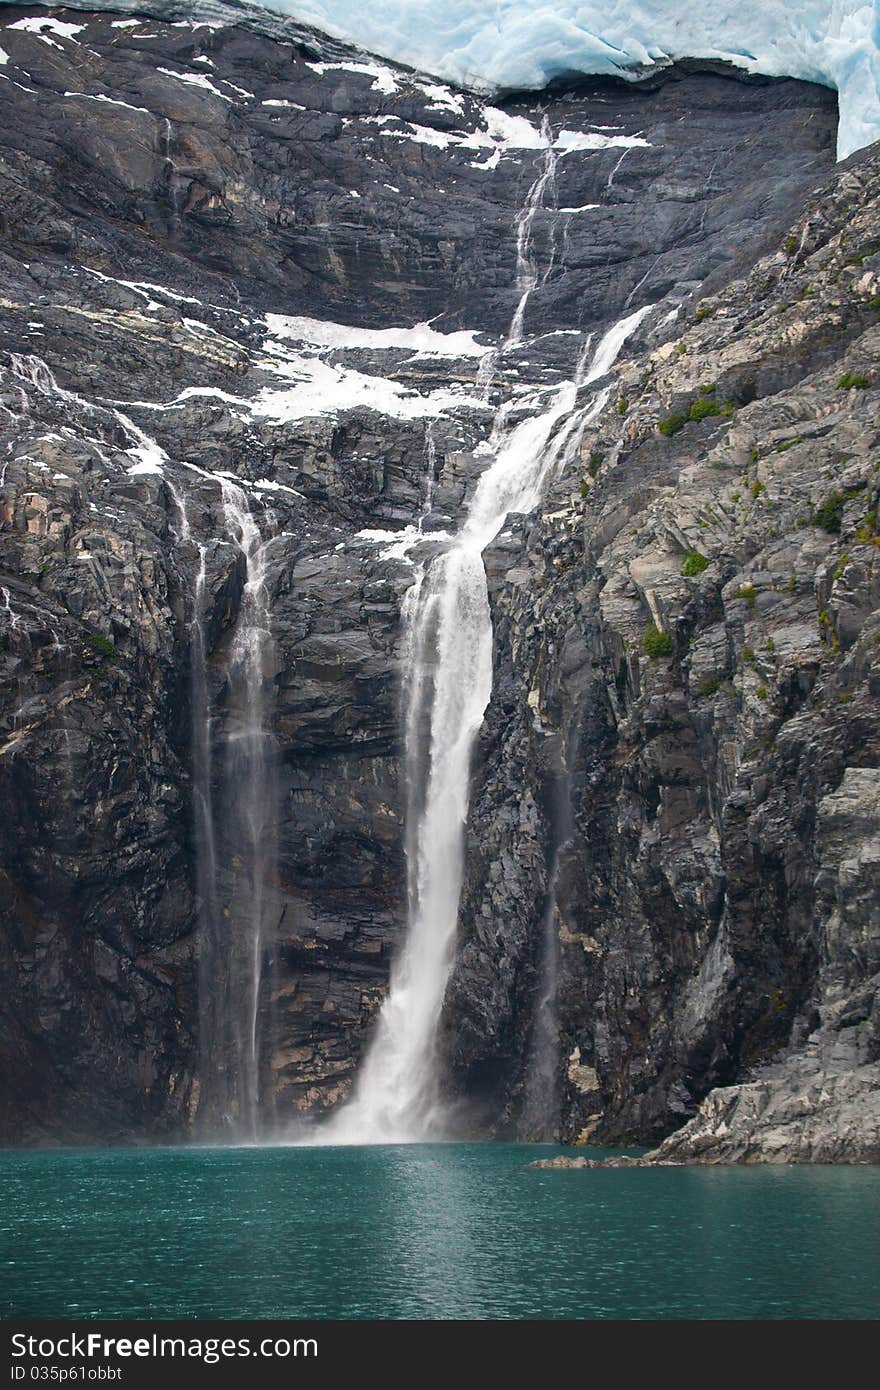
(101, 645)
(749, 593)
(694, 563)
(672, 424)
(830, 514)
(656, 643)
(703, 408)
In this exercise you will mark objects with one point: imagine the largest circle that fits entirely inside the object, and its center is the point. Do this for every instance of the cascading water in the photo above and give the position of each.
(233, 905)
(539, 1117)
(238, 940)
(213, 1081)
(447, 686)
(528, 276)
(430, 473)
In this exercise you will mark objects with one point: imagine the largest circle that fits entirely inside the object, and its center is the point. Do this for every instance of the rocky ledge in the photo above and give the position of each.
(798, 1116)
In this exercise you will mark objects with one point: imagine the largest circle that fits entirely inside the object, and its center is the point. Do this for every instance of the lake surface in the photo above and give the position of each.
(428, 1231)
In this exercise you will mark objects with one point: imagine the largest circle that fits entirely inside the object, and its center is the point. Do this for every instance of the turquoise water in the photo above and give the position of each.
(429, 1231)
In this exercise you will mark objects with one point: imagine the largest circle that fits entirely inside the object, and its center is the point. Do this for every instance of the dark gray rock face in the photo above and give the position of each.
(164, 188)
(694, 643)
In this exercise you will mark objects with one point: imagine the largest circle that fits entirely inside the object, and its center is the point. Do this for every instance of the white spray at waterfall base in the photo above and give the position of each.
(448, 654)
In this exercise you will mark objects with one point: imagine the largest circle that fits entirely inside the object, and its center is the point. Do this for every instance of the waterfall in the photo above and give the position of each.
(448, 682)
(539, 1119)
(528, 277)
(212, 1055)
(430, 474)
(540, 1111)
(527, 274)
(248, 827)
(236, 845)
(233, 926)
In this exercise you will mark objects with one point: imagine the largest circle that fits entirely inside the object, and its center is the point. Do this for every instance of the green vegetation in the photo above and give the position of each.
(593, 465)
(622, 405)
(749, 593)
(787, 444)
(656, 643)
(830, 514)
(585, 489)
(702, 314)
(709, 685)
(861, 256)
(790, 245)
(700, 409)
(748, 656)
(762, 692)
(757, 488)
(101, 645)
(703, 408)
(694, 563)
(874, 303)
(852, 382)
(672, 424)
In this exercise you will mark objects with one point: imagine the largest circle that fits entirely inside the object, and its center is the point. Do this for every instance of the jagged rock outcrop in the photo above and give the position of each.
(696, 628)
(165, 188)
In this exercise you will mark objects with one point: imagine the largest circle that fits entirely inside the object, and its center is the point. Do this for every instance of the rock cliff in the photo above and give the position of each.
(206, 230)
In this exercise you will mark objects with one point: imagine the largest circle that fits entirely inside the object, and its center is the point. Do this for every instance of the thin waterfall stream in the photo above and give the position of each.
(539, 1117)
(248, 836)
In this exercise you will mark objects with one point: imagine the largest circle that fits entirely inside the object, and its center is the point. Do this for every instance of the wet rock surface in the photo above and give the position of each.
(703, 652)
(165, 188)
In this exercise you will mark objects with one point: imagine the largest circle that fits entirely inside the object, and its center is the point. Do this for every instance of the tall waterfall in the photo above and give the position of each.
(448, 682)
(250, 821)
(236, 837)
(212, 1056)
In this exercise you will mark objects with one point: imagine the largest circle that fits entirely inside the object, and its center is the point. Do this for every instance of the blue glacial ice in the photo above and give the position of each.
(493, 45)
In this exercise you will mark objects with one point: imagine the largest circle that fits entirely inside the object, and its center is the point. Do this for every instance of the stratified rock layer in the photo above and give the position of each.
(699, 634)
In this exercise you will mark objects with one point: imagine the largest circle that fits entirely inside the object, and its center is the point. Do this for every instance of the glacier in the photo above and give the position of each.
(504, 45)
